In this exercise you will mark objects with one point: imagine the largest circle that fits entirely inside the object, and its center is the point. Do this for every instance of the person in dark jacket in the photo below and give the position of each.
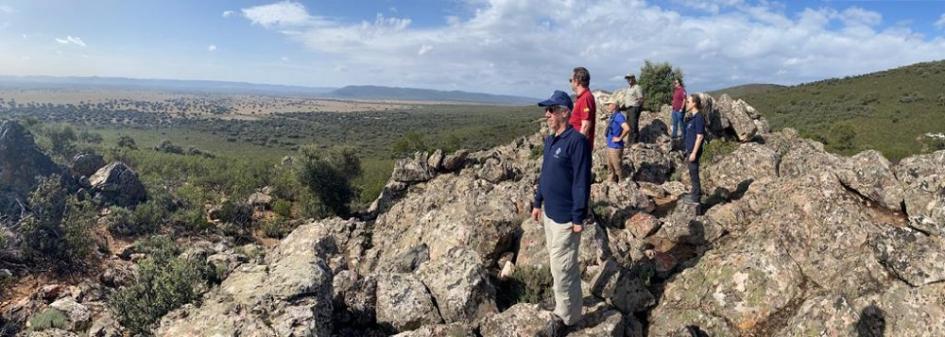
(561, 203)
(694, 135)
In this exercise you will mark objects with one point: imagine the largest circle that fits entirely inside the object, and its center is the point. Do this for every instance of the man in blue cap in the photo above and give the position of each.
(563, 189)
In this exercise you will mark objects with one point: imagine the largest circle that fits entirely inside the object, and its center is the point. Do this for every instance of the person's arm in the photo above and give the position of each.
(580, 188)
(586, 127)
(539, 199)
(695, 149)
(625, 129)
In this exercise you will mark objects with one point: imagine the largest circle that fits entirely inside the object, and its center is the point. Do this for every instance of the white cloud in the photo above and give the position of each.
(285, 13)
(5, 9)
(69, 39)
(528, 46)
(227, 14)
(424, 49)
(212, 48)
(941, 22)
(284, 59)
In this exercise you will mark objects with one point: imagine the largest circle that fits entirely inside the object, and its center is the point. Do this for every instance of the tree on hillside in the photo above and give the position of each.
(656, 80)
(329, 174)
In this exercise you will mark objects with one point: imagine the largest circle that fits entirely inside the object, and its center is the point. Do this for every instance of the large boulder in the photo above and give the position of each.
(916, 258)
(118, 184)
(871, 175)
(403, 303)
(460, 286)
(290, 294)
(20, 159)
(86, 164)
(521, 320)
(732, 173)
(413, 170)
(923, 179)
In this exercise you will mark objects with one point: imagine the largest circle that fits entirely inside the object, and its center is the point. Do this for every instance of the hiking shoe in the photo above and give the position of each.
(555, 327)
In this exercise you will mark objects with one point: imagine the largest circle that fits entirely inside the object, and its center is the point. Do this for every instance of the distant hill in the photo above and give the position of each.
(746, 89)
(113, 83)
(370, 92)
(886, 110)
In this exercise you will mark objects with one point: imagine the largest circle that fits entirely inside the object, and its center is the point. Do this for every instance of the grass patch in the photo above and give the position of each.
(526, 285)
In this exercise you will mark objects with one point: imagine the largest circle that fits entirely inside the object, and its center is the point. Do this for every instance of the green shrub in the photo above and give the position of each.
(51, 318)
(276, 228)
(282, 208)
(164, 282)
(716, 149)
(528, 285)
(146, 218)
(328, 176)
(58, 229)
(656, 80)
(191, 219)
(125, 141)
(61, 139)
(118, 221)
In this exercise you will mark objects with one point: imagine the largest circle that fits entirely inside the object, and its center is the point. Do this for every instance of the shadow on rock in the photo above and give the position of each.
(872, 322)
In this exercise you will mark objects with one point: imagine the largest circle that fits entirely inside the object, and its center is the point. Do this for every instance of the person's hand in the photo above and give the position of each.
(616, 139)
(692, 158)
(577, 228)
(536, 213)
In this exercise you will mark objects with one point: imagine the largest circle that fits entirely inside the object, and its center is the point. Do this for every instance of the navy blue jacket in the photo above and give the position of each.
(694, 126)
(565, 182)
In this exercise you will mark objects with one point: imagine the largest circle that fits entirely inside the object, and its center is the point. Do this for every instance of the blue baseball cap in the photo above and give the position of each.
(558, 98)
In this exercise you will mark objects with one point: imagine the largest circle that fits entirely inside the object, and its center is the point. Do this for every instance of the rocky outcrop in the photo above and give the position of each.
(404, 303)
(21, 161)
(117, 184)
(288, 295)
(86, 164)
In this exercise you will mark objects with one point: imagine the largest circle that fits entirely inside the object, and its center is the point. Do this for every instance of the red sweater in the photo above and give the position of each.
(679, 95)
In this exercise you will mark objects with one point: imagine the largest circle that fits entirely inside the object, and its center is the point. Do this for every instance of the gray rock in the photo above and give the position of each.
(914, 257)
(403, 303)
(923, 177)
(732, 173)
(460, 286)
(870, 174)
(86, 164)
(455, 161)
(413, 170)
(521, 320)
(78, 316)
(118, 184)
(21, 161)
(435, 161)
(260, 200)
(440, 330)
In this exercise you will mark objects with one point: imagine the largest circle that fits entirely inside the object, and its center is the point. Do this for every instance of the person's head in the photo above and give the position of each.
(610, 104)
(580, 78)
(557, 110)
(557, 117)
(631, 79)
(694, 103)
(678, 83)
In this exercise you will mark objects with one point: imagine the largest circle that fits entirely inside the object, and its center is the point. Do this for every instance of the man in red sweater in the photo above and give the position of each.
(679, 95)
(585, 108)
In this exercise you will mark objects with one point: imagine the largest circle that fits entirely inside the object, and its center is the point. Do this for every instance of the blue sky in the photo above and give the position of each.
(524, 47)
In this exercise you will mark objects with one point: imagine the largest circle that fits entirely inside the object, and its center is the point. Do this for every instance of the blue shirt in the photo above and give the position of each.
(614, 129)
(565, 182)
(695, 125)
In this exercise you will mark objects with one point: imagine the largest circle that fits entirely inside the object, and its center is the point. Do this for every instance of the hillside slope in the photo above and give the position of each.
(885, 111)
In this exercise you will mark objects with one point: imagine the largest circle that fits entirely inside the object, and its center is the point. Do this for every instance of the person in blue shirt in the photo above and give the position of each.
(564, 186)
(694, 135)
(617, 130)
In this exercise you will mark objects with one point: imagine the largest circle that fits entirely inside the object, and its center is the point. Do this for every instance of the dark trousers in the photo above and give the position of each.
(633, 116)
(696, 193)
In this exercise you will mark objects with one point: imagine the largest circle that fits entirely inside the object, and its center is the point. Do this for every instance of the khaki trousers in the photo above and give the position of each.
(563, 245)
(614, 165)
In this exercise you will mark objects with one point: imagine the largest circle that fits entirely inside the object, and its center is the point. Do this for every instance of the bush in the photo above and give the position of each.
(191, 219)
(119, 222)
(716, 149)
(51, 318)
(90, 137)
(656, 80)
(282, 208)
(125, 141)
(527, 284)
(164, 282)
(408, 144)
(328, 176)
(61, 139)
(58, 229)
(277, 227)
